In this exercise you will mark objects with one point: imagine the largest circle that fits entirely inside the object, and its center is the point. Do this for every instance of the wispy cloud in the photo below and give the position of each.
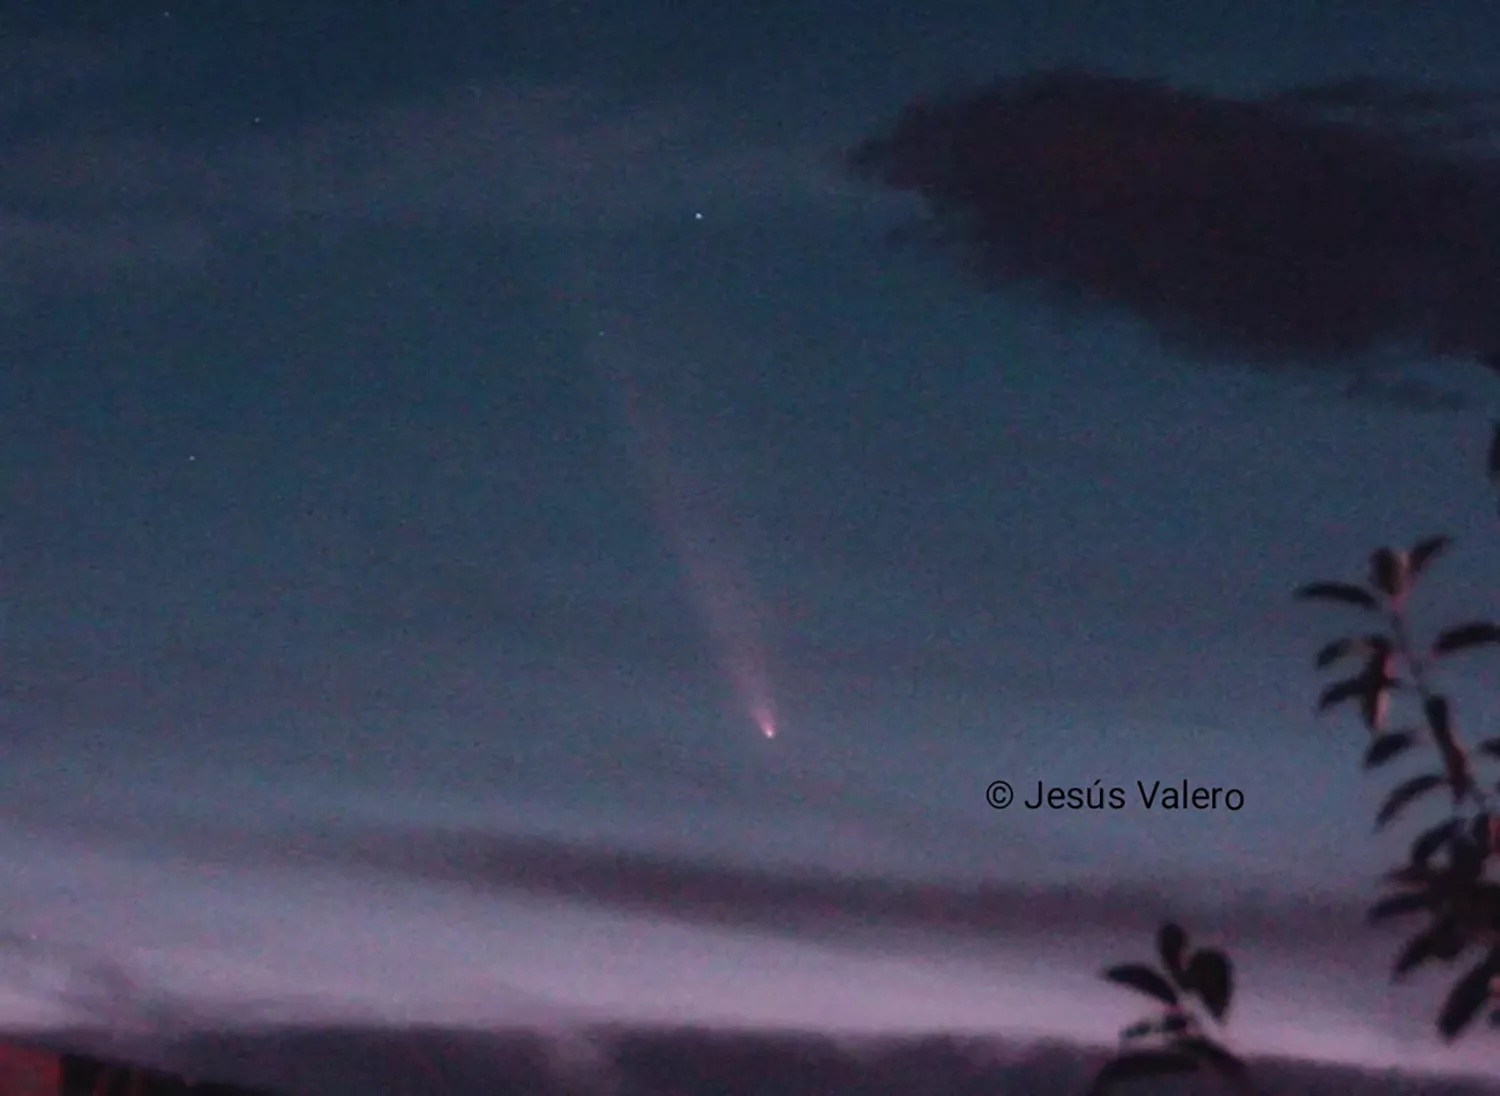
(502, 157)
(816, 903)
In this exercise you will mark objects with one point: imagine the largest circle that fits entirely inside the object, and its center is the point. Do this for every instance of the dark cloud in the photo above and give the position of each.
(1317, 225)
(683, 1060)
(815, 903)
(838, 908)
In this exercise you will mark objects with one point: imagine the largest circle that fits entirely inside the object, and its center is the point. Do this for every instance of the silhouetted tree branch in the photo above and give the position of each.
(1446, 880)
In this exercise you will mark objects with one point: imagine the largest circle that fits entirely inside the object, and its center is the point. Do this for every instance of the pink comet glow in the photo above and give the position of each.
(720, 583)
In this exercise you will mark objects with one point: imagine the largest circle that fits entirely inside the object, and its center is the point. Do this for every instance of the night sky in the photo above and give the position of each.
(485, 507)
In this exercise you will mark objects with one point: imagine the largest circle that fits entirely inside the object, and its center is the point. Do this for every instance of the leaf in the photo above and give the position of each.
(1139, 1030)
(1482, 833)
(1138, 1065)
(1334, 695)
(1427, 550)
(1398, 905)
(1389, 572)
(1465, 866)
(1212, 1054)
(1415, 876)
(1171, 944)
(1430, 841)
(1338, 649)
(1440, 940)
(1371, 686)
(1212, 977)
(1418, 876)
(1142, 979)
(1176, 1024)
(1450, 944)
(1345, 592)
(1387, 746)
(1403, 795)
(1463, 637)
(1455, 761)
(1468, 995)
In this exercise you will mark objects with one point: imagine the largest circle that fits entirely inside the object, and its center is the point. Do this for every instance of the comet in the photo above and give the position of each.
(689, 511)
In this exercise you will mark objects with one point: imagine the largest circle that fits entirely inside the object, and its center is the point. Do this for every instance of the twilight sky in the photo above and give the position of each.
(436, 446)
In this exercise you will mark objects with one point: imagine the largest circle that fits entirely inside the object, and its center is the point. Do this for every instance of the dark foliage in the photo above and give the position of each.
(1190, 983)
(1445, 879)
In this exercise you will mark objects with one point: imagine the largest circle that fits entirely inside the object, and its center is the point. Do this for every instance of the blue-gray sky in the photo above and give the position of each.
(439, 418)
